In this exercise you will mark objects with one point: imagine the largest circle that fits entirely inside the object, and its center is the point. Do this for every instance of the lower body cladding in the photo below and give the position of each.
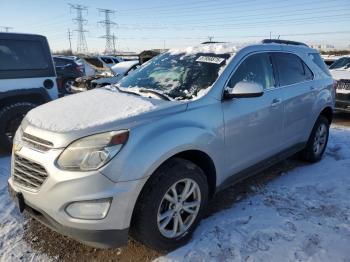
(86, 206)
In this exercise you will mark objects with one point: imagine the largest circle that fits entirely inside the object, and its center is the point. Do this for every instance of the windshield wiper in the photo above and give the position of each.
(164, 97)
(125, 91)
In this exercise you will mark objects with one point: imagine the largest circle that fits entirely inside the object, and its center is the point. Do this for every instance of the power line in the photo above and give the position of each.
(81, 45)
(108, 24)
(246, 24)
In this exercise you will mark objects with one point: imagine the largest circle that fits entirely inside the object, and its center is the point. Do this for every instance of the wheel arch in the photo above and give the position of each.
(327, 112)
(199, 158)
(29, 95)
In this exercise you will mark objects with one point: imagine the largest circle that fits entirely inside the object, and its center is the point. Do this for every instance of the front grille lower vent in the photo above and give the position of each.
(36, 142)
(28, 173)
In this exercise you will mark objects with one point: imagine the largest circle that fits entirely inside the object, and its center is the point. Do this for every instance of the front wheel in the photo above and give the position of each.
(10, 118)
(171, 205)
(317, 142)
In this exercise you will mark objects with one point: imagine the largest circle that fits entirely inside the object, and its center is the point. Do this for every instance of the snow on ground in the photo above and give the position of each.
(304, 215)
(12, 224)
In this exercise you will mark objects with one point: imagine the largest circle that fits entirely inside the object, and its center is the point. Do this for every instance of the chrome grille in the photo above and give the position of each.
(343, 84)
(36, 142)
(28, 173)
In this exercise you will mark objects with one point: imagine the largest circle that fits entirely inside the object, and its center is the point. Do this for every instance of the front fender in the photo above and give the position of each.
(150, 146)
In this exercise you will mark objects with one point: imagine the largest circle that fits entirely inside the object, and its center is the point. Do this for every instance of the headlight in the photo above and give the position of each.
(92, 152)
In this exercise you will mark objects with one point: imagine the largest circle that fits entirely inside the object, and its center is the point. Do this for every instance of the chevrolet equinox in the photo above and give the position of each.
(143, 157)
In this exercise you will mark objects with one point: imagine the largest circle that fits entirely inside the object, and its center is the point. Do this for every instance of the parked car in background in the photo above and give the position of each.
(330, 59)
(27, 79)
(109, 61)
(145, 155)
(340, 71)
(67, 70)
(119, 71)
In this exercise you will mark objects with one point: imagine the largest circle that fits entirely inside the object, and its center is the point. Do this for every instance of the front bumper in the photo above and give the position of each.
(109, 238)
(48, 203)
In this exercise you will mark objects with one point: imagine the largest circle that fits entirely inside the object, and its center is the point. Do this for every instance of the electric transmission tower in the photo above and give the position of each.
(108, 24)
(81, 45)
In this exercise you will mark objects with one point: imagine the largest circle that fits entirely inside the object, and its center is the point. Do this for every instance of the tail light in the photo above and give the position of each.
(335, 83)
(60, 86)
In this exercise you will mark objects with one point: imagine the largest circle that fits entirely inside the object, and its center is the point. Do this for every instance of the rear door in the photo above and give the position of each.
(295, 79)
(26, 64)
(253, 126)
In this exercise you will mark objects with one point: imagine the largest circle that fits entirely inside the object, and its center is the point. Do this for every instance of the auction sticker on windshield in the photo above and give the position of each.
(210, 59)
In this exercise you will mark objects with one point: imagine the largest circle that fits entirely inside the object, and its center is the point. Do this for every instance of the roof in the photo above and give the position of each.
(123, 67)
(214, 48)
(11, 35)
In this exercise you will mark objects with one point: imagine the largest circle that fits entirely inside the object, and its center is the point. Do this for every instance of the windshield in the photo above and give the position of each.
(179, 76)
(341, 62)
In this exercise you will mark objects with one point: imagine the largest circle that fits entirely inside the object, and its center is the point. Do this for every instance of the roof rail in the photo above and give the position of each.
(280, 41)
(212, 42)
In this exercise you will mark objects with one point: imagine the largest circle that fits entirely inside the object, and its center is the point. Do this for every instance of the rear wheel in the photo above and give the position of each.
(68, 86)
(171, 205)
(10, 118)
(317, 142)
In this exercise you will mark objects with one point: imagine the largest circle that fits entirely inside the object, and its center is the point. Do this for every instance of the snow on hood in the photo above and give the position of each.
(89, 109)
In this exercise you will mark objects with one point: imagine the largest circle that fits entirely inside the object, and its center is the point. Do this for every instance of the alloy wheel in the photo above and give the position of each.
(179, 208)
(320, 139)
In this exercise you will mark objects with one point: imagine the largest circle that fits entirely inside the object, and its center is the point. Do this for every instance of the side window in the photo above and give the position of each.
(256, 68)
(107, 60)
(308, 73)
(22, 55)
(60, 62)
(291, 69)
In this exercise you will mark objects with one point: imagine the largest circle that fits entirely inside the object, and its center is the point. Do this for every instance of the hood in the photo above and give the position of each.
(89, 109)
(338, 74)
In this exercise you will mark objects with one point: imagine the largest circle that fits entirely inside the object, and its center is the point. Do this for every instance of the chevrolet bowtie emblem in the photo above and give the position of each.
(16, 147)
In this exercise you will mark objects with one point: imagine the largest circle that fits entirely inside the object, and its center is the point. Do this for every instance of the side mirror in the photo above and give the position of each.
(244, 90)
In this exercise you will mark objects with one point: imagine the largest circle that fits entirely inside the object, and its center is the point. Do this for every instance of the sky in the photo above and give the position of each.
(145, 24)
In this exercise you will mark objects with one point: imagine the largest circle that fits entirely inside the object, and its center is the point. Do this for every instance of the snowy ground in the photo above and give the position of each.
(303, 215)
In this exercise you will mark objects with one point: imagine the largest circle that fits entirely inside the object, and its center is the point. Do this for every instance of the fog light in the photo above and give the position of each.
(92, 209)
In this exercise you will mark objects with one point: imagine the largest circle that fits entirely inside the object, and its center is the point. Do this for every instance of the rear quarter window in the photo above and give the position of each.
(22, 55)
(291, 69)
(316, 58)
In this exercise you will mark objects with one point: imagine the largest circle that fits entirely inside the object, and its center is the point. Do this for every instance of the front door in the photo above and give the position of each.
(253, 126)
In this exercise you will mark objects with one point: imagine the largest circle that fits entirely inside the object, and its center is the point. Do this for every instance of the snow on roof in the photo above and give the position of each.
(218, 48)
(122, 67)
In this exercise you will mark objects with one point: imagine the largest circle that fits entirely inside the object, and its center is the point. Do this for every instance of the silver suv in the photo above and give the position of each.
(144, 156)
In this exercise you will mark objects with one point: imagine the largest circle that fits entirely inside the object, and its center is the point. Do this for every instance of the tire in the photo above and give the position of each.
(151, 204)
(10, 119)
(311, 152)
(67, 85)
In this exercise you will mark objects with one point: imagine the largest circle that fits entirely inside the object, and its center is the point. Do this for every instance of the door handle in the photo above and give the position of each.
(276, 102)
